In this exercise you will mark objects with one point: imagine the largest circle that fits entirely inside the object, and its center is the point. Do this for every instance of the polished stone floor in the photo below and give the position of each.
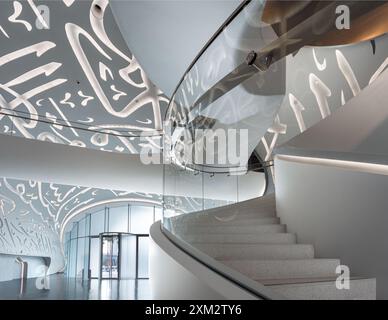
(63, 288)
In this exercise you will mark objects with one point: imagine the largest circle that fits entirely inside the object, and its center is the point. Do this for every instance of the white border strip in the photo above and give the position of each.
(373, 168)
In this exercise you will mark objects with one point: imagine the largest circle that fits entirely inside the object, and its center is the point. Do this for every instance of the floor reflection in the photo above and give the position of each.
(63, 288)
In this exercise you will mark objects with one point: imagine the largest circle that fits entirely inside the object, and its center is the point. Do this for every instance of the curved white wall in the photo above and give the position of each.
(10, 269)
(49, 162)
(176, 275)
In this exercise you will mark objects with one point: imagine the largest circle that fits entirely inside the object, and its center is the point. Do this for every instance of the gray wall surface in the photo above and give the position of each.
(11, 270)
(343, 213)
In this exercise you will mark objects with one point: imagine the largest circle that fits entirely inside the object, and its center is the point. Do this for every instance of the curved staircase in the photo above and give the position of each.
(249, 238)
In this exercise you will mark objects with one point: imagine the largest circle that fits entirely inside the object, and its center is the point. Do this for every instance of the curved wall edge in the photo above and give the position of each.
(176, 275)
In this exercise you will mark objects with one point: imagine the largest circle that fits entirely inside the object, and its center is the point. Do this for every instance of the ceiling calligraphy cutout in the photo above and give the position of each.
(69, 64)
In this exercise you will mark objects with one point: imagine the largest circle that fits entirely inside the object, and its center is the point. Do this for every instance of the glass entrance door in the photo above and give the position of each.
(110, 257)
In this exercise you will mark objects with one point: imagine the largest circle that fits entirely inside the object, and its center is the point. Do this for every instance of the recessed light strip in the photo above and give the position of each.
(366, 167)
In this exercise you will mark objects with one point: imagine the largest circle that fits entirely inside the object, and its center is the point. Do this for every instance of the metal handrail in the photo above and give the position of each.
(80, 126)
(227, 170)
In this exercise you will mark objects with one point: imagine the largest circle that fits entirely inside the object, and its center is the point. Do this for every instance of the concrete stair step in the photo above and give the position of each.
(267, 202)
(261, 270)
(256, 251)
(249, 211)
(227, 215)
(359, 289)
(266, 238)
(234, 222)
(249, 238)
(303, 280)
(252, 214)
(221, 229)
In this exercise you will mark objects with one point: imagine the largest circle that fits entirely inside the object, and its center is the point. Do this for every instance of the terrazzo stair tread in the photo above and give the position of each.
(256, 251)
(252, 212)
(359, 289)
(303, 280)
(284, 269)
(216, 229)
(263, 204)
(255, 208)
(253, 215)
(250, 208)
(253, 242)
(242, 222)
(247, 211)
(238, 215)
(274, 238)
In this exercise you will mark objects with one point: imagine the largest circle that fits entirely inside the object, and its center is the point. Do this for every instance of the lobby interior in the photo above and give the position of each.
(146, 155)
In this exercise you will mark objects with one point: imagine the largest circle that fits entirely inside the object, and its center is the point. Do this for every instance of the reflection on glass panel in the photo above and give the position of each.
(169, 187)
(66, 248)
(141, 219)
(183, 191)
(85, 274)
(109, 290)
(128, 257)
(73, 258)
(97, 223)
(115, 258)
(248, 100)
(94, 257)
(81, 228)
(219, 190)
(74, 230)
(211, 190)
(80, 257)
(67, 236)
(87, 225)
(158, 214)
(110, 257)
(251, 185)
(143, 257)
(118, 219)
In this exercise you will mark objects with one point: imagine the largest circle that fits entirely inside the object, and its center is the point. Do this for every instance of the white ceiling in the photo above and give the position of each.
(167, 35)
